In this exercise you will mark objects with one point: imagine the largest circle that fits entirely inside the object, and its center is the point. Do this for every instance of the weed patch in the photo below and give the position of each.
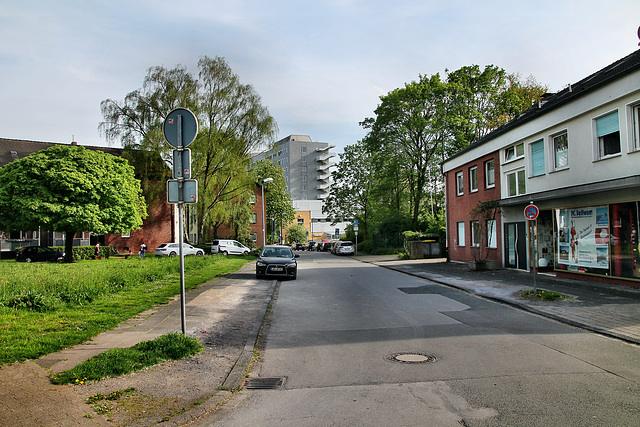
(542, 295)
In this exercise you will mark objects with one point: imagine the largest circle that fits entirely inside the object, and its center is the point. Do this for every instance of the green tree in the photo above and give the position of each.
(349, 196)
(70, 189)
(232, 124)
(296, 233)
(277, 201)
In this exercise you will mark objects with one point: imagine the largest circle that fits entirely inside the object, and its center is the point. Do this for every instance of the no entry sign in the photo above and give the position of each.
(531, 212)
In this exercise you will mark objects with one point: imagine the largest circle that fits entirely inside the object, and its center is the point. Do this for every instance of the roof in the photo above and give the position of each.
(610, 73)
(14, 149)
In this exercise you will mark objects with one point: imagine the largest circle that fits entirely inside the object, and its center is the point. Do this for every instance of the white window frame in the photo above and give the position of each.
(554, 140)
(490, 175)
(544, 160)
(473, 179)
(515, 152)
(600, 142)
(461, 240)
(253, 219)
(459, 183)
(492, 234)
(634, 127)
(520, 178)
(475, 233)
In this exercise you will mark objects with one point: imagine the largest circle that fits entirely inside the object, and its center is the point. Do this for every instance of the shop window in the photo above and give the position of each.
(473, 179)
(516, 183)
(459, 183)
(514, 152)
(560, 151)
(608, 135)
(461, 241)
(489, 174)
(537, 158)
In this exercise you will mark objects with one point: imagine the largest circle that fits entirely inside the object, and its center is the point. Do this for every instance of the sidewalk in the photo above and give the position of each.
(611, 310)
(225, 314)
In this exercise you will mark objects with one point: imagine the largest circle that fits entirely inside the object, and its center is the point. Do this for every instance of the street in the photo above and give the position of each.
(357, 344)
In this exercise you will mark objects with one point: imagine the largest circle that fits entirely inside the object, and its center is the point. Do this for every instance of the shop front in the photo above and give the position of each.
(599, 240)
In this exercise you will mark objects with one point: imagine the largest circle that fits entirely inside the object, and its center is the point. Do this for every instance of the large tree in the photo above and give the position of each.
(277, 201)
(232, 124)
(350, 194)
(70, 189)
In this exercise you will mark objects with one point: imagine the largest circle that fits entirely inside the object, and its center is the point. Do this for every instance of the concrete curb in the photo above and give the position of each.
(235, 377)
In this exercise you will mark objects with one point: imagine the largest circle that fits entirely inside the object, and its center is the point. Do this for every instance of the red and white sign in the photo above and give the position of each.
(531, 212)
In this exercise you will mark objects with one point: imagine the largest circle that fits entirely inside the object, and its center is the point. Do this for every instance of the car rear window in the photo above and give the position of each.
(215, 242)
(162, 246)
(346, 244)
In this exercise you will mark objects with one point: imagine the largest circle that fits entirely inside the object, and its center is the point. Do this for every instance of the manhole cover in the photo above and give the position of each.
(411, 357)
(274, 383)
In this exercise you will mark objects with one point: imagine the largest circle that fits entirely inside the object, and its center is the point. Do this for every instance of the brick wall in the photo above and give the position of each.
(459, 207)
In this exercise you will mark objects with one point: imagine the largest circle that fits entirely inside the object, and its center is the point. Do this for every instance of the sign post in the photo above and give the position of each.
(355, 228)
(531, 213)
(180, 128)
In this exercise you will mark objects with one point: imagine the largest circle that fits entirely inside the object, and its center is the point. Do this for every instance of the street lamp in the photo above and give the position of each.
(264, 231)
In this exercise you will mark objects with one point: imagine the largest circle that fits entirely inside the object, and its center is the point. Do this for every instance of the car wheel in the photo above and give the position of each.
(245, 253)
(294, 276)
(200, 253)
(173, 254)
(27, 260)
(225, 253)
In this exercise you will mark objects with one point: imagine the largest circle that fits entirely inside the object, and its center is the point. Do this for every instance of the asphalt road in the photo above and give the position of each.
(340, 333)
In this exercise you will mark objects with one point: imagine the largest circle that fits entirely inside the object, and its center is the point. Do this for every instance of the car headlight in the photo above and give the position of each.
(292, 264)
(260, 264)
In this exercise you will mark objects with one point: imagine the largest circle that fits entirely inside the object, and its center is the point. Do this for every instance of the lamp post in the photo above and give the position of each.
(264, 231)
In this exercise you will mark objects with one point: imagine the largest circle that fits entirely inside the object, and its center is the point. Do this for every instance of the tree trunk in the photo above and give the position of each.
(68, 245)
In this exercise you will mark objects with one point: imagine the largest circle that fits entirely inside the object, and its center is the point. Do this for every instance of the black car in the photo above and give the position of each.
(277, 261)
(39, 253)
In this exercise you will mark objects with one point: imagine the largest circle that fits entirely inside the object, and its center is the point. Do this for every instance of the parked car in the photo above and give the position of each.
(39, 253)
(344, 248)
(277, 261)
(310, 245)
(173, 249)
(229, 247)
(297, 246)
(325, 246)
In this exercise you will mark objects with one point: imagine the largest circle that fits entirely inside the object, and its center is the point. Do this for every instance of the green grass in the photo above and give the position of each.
(542, 295)
(45, 308)
(122, 361)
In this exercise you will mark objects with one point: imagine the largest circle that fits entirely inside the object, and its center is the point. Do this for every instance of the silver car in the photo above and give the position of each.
(344, 248)
(173, 249)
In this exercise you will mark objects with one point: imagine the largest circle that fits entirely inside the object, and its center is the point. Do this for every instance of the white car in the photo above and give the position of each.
(344, 248)
(173, 249)
(229, 247)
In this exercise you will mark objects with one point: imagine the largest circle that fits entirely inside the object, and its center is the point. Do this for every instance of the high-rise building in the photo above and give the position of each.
(306, 164)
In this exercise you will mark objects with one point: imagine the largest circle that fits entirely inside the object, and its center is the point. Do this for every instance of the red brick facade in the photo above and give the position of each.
(459, 207)
(255, 228)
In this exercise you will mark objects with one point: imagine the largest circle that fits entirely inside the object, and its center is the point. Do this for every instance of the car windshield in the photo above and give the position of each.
(277, 253)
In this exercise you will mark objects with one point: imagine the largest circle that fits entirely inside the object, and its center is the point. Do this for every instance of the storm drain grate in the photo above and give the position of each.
(411, 357)
(274, 383)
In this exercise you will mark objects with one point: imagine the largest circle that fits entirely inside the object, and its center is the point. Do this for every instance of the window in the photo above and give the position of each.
(473, 178)
(461, 234)
(489, 174)
(516, 184)
(513, 152)
(561, 150)
(300, 221)
(253, 219)
(253, 199)
(303, 159)
(253, 237)
(475, 234)
(304, 178)
(537, 158)
(304, 169)
(459, 183)
(303, 149)
(608, 134)
(635, 113)
(492, 234)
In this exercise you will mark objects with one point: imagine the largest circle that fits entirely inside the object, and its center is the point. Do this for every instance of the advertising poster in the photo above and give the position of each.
(583, 237)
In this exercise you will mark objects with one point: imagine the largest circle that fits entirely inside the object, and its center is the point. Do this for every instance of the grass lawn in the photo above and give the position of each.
(47, 307)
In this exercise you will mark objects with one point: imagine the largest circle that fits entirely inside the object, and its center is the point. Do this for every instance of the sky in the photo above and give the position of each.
(319, 66)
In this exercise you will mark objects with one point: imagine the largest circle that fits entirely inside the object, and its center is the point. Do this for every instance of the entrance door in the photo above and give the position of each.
(515, 245)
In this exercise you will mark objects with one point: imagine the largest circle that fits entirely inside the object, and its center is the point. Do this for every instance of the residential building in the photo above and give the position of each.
(306, 164)
(159, 226)
(576, 157)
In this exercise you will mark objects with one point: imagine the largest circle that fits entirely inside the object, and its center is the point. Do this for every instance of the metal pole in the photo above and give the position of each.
(181, 234)
(535, 253)
(264, 231)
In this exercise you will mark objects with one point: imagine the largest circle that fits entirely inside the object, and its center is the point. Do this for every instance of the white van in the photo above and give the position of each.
(229, 247)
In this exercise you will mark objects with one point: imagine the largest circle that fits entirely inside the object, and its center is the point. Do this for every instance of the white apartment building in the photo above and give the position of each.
(575, 156)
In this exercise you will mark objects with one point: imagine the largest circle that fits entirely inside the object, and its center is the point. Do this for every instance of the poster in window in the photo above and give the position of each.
(583, 237)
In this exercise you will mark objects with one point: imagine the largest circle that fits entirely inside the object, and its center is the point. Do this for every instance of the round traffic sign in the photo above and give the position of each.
(180, 119)
(531, 212)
